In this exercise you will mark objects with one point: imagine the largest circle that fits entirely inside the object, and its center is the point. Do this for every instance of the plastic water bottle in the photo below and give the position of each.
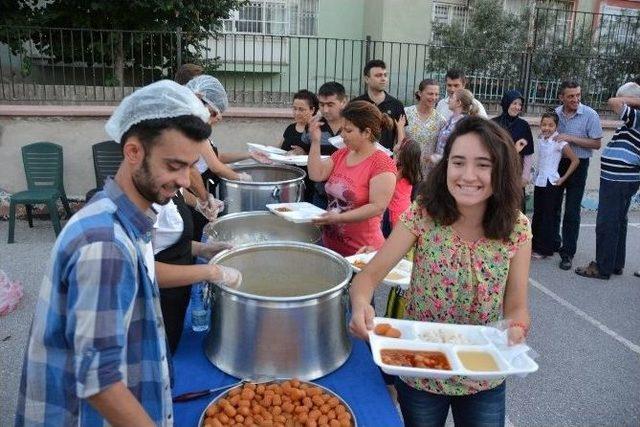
(200, 311)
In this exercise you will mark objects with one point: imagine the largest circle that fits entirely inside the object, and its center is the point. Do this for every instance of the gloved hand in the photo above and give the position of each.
(211, 208)
(229, 277)
(209, 250)
(260, 157)
(243, 176)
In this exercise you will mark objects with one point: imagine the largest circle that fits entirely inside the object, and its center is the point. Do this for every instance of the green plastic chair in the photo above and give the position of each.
(43, 166)
(107, 156)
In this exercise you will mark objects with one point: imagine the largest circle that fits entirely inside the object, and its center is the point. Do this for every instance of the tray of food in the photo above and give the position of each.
(400, 275)
(441, 350)
(267, 149)
(299, 212)
(278, 402)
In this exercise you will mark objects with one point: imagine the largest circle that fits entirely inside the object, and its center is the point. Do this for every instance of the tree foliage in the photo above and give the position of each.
(138, 31)
(490, 43)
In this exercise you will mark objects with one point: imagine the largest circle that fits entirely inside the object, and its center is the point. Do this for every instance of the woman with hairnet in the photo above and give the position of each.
(211, 164)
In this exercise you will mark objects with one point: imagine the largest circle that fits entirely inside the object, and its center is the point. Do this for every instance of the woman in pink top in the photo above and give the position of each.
(360, 180)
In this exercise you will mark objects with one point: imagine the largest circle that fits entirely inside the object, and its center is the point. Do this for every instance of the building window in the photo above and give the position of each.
(447, 14)
(275, 17)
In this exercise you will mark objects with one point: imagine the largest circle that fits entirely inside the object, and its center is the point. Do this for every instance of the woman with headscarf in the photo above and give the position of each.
(520, 132)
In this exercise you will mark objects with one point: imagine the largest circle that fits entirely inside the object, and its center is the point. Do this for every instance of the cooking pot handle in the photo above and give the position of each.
(275, 194)
(301, 189)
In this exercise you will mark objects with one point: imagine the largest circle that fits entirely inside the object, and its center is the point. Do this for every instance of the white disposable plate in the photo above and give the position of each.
(298, 213)
(266, 148)
(337, 141)
(399, 276)
(298, 160)
(510, 360)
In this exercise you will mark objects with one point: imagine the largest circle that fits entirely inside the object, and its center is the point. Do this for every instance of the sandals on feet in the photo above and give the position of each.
(591, 271)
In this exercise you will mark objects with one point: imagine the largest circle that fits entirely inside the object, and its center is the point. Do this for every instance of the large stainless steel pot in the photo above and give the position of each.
(287, 319)
(259, 227)
(271, 184)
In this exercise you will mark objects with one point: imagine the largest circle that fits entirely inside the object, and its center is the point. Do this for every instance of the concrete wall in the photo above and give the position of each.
(76, 135)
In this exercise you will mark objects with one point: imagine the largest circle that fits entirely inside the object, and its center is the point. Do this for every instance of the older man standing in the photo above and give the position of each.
(580, 127)
(619, 181)
(96, 354)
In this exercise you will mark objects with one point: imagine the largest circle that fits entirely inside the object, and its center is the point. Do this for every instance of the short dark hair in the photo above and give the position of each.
(567, 84)
(186, 72)
(423, 84)
(455, 73)
(147, 131)
(332, 88)
(637, 80)
(310, 97)
(551, 115)
(374, 63)
(504, 203)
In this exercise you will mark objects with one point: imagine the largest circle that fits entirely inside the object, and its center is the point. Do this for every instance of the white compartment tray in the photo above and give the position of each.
(296, 212)
(511, 360)
(400, 275)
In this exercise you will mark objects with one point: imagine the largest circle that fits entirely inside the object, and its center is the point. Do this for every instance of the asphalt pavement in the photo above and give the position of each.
(586, 333)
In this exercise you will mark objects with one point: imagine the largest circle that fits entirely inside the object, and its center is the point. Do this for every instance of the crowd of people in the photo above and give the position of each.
(436, 179)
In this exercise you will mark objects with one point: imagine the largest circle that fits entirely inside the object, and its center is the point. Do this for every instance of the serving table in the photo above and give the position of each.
(358, 382)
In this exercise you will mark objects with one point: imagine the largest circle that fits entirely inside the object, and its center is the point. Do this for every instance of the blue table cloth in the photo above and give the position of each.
(358, 382)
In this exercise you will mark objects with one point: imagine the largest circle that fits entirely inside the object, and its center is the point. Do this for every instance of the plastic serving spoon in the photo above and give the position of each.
(193, 395)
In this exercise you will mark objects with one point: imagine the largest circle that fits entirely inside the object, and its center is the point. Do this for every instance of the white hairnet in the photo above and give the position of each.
(631, 89)
(159, 100)
(211, 91)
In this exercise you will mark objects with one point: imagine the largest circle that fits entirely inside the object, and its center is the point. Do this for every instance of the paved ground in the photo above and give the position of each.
(586, 332)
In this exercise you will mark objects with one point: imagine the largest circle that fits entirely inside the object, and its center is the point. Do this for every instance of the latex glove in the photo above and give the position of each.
(209, 250)
(211, 208)
(260, 157)
(229, 277)
(243, 176)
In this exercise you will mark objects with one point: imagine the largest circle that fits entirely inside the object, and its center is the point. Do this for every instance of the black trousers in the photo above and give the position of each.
(574, 187)
(546, 201)
(174, 303)
(611, 225)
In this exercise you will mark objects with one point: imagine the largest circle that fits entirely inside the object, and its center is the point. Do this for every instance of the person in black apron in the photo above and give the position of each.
(174, 299)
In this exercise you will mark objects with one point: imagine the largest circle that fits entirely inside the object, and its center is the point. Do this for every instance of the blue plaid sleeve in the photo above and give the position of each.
(102, 287)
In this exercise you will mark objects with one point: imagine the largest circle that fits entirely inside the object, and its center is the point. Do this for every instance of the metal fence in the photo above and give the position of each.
(74, 66)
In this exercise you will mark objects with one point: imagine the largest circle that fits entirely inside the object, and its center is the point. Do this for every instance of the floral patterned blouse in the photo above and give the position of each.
(424, 132)
(454, 281)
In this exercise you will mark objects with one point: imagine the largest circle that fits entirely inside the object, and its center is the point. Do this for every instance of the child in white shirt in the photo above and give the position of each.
(548, 183)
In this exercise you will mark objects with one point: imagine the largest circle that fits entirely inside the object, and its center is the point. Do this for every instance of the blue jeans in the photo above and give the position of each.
(424, 409)
(574, 187)
(611, 225)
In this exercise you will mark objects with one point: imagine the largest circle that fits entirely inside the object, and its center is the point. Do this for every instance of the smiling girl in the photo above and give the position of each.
(472, 249)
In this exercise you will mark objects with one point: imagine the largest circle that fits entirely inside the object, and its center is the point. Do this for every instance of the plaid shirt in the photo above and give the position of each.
(585, 123)
(97, 320)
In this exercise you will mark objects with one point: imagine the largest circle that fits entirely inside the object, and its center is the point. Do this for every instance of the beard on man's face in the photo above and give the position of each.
(143, 181)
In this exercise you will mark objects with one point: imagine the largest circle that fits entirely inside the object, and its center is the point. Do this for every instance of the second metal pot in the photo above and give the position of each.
(270, 184)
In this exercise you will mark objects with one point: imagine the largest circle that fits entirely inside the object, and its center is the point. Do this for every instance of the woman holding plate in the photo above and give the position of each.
(472, 249)
(360, 180)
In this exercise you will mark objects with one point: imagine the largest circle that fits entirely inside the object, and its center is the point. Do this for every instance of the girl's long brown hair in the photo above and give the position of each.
(503, 205)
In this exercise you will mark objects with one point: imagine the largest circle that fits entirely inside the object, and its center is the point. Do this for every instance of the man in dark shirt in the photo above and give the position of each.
(332, 99)
(377, 79)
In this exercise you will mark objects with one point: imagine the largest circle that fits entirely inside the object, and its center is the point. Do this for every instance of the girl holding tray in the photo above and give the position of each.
(472, 250)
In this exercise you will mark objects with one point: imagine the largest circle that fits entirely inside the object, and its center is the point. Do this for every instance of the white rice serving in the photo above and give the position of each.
(445, 336)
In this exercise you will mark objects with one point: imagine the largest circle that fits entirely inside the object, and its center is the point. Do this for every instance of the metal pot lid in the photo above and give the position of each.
(287, 170)
(285, 271)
